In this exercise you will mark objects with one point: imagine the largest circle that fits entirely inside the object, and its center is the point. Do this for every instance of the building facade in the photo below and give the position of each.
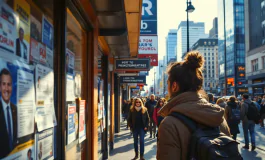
(208, 47)
(231, 41)
(171, 42)
(196, 31)
(255, 46)
(213, 33)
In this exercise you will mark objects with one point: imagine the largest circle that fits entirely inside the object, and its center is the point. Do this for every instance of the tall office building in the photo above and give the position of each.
(255, 46)
(213, 33)
(171, 42)
(196, 31)
(208, 47)
(231, 41)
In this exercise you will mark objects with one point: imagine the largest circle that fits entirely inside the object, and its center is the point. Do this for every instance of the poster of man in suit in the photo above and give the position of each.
(16, 107)
(22, 9)
(21, 47)
(8, 115)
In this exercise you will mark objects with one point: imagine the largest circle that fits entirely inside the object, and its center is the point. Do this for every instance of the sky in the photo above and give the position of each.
(172, 12)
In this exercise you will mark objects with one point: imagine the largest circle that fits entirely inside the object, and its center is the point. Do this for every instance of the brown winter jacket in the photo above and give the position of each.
(174, 136)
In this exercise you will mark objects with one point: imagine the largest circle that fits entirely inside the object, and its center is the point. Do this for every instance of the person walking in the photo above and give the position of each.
(248, 125)
(150, 105)
(126, 110)
(211, 98)
(221, 102)
(262, 112)
(232, 116)
(138, 121)
(185, 81)
(156, 117)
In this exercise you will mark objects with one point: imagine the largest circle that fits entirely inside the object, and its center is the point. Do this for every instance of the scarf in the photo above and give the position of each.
(138, 108)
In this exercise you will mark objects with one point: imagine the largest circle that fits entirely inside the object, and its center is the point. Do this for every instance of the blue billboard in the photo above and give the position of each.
(149, 17)
(148, 27)
(149, 10)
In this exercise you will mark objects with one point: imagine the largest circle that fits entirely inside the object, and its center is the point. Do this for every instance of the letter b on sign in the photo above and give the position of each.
(144, 25)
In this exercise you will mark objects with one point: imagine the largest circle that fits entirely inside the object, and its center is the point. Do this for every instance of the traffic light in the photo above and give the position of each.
(239, 83)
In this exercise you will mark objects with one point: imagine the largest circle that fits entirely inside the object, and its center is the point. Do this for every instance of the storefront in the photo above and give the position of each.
(55, 104)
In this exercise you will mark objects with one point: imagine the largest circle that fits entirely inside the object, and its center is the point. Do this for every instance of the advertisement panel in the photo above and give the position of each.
(153, 58)
(148, 45)
(148, 48)
(149, 10)
(148, 27)
(72, 126)
(82, 119)
(17, 96)
(22, 8)
(8, 32)
(44, 145)
(149, 18)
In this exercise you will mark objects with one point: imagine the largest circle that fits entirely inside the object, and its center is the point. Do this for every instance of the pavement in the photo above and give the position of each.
(124, 150)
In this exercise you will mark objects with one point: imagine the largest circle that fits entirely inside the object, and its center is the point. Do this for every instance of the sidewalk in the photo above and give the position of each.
(124, 150)
(260, 137)
(123, 146)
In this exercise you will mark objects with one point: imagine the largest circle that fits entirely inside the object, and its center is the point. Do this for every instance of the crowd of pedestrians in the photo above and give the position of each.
(191, 114)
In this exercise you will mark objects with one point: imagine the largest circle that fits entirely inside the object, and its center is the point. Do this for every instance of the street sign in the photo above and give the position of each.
(132, 64)
(133, 79)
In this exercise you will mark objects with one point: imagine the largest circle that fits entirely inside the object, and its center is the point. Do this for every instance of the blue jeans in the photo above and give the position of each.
(136, 134)
(249, 126)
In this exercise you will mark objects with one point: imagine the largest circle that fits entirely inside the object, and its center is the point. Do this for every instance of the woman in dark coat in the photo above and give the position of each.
(232, 116)
(138, 121)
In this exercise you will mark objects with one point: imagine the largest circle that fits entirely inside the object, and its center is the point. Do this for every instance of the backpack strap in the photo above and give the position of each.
(186, 120)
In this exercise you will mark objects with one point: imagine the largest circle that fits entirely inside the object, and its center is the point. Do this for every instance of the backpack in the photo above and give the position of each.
(253, 113)
(235, 114)
(209, 143)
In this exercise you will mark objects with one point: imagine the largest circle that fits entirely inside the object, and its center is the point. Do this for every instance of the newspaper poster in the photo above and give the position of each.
(45, 114)
(34, 51)
(43, 55)
(70, 94)
(72, 126)
(22, 8)
(8, 31)
(49, 57)
(35, 28)
(25, 152)
(44, 145)
(69, 62)
(17, 96)
(47, 33)
(82, 121)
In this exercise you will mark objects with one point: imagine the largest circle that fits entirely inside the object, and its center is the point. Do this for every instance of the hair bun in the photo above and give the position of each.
(194, 60)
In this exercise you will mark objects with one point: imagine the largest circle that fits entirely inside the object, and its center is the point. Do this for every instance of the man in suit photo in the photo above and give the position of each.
(21, 47)
(8, 115)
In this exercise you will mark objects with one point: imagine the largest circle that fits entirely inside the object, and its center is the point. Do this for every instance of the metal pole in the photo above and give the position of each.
(225, 92)
(188, 37)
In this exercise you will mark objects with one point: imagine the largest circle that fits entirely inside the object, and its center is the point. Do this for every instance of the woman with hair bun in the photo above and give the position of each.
(185, 80)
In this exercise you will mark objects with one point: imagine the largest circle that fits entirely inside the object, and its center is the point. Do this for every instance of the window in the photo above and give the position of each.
(254, 65)
(212, 54)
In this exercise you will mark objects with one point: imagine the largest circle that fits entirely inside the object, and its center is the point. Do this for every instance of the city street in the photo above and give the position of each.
(123, 147)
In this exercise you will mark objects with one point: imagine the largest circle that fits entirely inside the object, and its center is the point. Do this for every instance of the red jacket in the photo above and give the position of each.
(155, 114)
